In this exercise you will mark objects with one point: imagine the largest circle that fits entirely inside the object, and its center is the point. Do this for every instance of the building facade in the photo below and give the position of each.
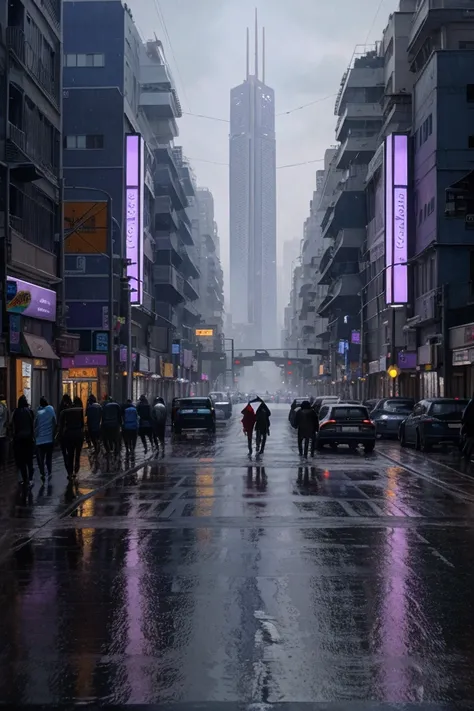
(115, 86)
(30, 199)
(253, 211)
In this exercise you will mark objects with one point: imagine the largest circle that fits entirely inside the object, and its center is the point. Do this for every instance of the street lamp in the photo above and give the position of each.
(110, 222)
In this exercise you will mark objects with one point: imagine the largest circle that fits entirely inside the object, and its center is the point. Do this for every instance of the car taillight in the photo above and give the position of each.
(329, 422)
(368, 422)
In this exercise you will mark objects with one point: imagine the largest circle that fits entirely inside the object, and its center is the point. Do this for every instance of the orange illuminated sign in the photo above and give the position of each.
(82, 373)
(85, 227)
(204, 331)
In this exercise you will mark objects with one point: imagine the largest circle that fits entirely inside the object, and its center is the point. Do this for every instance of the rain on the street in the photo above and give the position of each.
(207, 576)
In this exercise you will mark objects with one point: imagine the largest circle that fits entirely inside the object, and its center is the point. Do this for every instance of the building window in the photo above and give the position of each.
(84, 142)
(84, 60)
(470, 93)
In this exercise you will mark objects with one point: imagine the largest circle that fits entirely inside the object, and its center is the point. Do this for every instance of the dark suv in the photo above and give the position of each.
(433, 421)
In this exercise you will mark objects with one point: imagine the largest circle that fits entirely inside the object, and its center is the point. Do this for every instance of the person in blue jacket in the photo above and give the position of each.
(45, 430)
(130, 427)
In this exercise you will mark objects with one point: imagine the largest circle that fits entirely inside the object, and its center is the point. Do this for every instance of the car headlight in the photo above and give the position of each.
(384, 417)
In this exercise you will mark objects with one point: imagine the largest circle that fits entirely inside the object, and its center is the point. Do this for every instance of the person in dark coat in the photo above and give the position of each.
(145, 429)
(307, 425)
(111, 423)
(94, 423)
(262, 425)
(71, 435)
(467, 422)
(248, 423)
(23, 433)
(130, 427)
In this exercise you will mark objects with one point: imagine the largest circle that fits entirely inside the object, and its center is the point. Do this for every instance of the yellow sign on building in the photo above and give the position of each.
(204, 331)
(85, 227)
(168, 370)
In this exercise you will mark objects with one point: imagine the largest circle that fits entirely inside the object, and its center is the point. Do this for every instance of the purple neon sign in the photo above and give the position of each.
(30, 300)
(134, 171)
(396, 219)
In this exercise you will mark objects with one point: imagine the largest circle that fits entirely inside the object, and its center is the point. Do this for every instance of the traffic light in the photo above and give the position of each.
(237, 361)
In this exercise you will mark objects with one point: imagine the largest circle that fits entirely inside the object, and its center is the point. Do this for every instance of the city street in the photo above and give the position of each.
(208, 577)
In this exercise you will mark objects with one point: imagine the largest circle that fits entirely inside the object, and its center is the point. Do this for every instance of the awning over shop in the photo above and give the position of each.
(39, 347)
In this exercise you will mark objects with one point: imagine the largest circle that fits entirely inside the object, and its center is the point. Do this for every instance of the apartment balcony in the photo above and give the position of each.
(185, 233)
(189, 269)
(345, 250)
(427, 308)
(348, 210)
(28, 258)
(28, 144)
(365, 72)
(166, 218)
(148, 304)
(166, 314)
(190, 291)
(357, 148)
(167, 184)
(431, 15)
(169, 285)
(191, 315)
(343, 295)
(29, 60)
(371, 114)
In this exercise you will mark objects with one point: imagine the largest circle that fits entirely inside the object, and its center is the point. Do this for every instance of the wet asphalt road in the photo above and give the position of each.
(206, 577)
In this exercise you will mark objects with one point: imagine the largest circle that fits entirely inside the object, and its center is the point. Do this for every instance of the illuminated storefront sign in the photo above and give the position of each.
(30, 300)
(396, 219)
(134, 170)
(204, 332)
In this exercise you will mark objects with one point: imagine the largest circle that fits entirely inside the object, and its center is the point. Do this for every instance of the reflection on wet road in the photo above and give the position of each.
(209, 577)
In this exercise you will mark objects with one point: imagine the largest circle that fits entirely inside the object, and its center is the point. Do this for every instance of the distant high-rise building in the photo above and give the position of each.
(253, 292)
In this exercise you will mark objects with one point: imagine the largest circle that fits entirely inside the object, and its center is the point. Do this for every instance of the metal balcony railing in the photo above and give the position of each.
(53, 8)
(21, 48)
(36, 140)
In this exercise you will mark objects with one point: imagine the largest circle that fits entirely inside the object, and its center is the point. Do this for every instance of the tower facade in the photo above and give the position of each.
(253, 293)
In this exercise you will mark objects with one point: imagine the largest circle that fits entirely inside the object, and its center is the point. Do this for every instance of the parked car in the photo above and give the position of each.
(345, 424)
(222, 403)
(371, 403)
(389, 414)
(324, 399)
(433, 421)
(295, 406)
(193, 415)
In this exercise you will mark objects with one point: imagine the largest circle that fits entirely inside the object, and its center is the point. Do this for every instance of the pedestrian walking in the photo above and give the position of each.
(145, 429)
(159, 414)
(4, 425)
(262, 425)
(307, 425)
(111, 424)
(23, 439)
(45, 430)
(248, 424)
(130, 427)
(71, 434)
(63, 405)
(467, 423)
(94, 422)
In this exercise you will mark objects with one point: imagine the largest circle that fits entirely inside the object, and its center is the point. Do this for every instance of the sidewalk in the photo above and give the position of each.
(22, 512)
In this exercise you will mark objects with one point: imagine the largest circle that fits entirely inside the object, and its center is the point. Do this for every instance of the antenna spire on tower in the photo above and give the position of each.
(256, 43)
(263, 55)
(248, 53)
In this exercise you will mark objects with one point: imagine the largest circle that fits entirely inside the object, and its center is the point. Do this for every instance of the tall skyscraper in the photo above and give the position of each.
(253, 293)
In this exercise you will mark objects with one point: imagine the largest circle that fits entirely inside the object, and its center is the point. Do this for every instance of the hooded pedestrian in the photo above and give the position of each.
(94, 422)
(130, 427)
(262, 425)
(248, 423)
(111, 423)
(23, 439)
(145, 429)
(159, 415)
(45, 430)
(71, 434)
(307, 424)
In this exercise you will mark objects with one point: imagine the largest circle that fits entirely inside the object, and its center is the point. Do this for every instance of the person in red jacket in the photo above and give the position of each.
(248, 423)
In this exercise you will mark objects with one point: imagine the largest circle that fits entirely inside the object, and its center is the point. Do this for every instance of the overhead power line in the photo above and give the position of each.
(279, 167)
(162, 21)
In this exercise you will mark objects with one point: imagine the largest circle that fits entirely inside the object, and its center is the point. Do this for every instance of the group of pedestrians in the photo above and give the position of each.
(104, 425)
(259, 421)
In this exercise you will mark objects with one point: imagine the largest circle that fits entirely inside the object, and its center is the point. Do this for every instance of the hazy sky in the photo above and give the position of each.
(309, 45)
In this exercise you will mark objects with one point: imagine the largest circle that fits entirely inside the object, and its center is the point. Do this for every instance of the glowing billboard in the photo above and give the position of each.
(396, 219)
(134, 172)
